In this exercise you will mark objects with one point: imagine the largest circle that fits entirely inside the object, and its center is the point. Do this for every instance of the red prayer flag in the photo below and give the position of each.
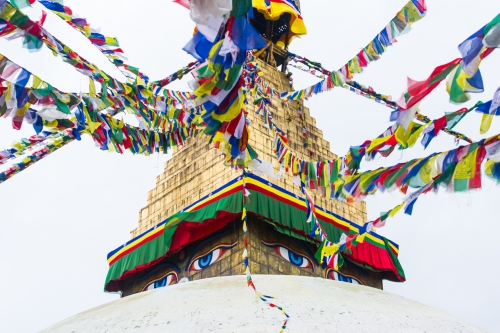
(183, 3)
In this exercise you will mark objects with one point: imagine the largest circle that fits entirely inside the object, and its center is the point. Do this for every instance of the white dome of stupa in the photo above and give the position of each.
(226, 304)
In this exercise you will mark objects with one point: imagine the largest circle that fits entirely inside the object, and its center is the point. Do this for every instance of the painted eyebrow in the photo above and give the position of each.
(161, 278)
(299, 242)
(345, 275)
(169, 265)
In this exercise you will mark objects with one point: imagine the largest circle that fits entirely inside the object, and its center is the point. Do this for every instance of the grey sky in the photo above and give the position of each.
(62, 216)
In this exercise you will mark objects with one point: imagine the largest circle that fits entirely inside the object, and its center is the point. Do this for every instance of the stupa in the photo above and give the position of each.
(208, 195)
(194, 244)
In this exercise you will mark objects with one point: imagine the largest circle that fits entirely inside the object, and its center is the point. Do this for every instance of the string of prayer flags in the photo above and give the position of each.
(219, 86)
(309, 70)
(331, 81)
(108, 46)
(412, 12)
(244, 217)
(312, 67)
(20, 89)
(314, 175)
(449, 120)
(328, 252)
(136, 97)
(397, 136)
(368, 92)
(28, 161)
(417, 90)
(24, 145)
(252, 74)
(114, 135)
(263, 102)
(307, 140)
(261, 92)
(178, 75)
(384, 144)
(109, 133)
(351, 85)
(387, 142)
(371, 94)
(457, 170)
(352, 240)
(463, 77)
(458, 136)
(317, 230)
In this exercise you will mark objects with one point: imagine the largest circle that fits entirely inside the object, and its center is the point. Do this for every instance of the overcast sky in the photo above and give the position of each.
(60, 217)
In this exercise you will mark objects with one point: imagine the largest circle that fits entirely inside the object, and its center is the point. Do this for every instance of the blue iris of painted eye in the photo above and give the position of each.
(166, 280)
(296, 259)
(161, 283)
(333, 275)
(205, 261)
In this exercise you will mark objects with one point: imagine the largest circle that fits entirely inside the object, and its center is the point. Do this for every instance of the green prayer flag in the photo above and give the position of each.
(318, 254)
(60, 105)
(340, 260)
(22, 3)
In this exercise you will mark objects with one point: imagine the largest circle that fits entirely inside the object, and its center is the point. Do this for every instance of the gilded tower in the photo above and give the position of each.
(197, 169)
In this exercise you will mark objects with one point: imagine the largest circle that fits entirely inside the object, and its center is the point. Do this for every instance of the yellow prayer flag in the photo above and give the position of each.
(486, 121)
(377, 142)
(360, 238)
(329, 250)
(396, 209)
(92, 89)
(466, 167)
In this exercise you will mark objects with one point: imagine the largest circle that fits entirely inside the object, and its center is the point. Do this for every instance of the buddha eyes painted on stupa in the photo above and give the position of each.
(219, 253)
(298, 259)
(209, 257)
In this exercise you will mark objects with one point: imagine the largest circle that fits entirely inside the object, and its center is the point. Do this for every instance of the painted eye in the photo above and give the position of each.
(333, 275)
(208, 258)
(296, 259)
(164, 281)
